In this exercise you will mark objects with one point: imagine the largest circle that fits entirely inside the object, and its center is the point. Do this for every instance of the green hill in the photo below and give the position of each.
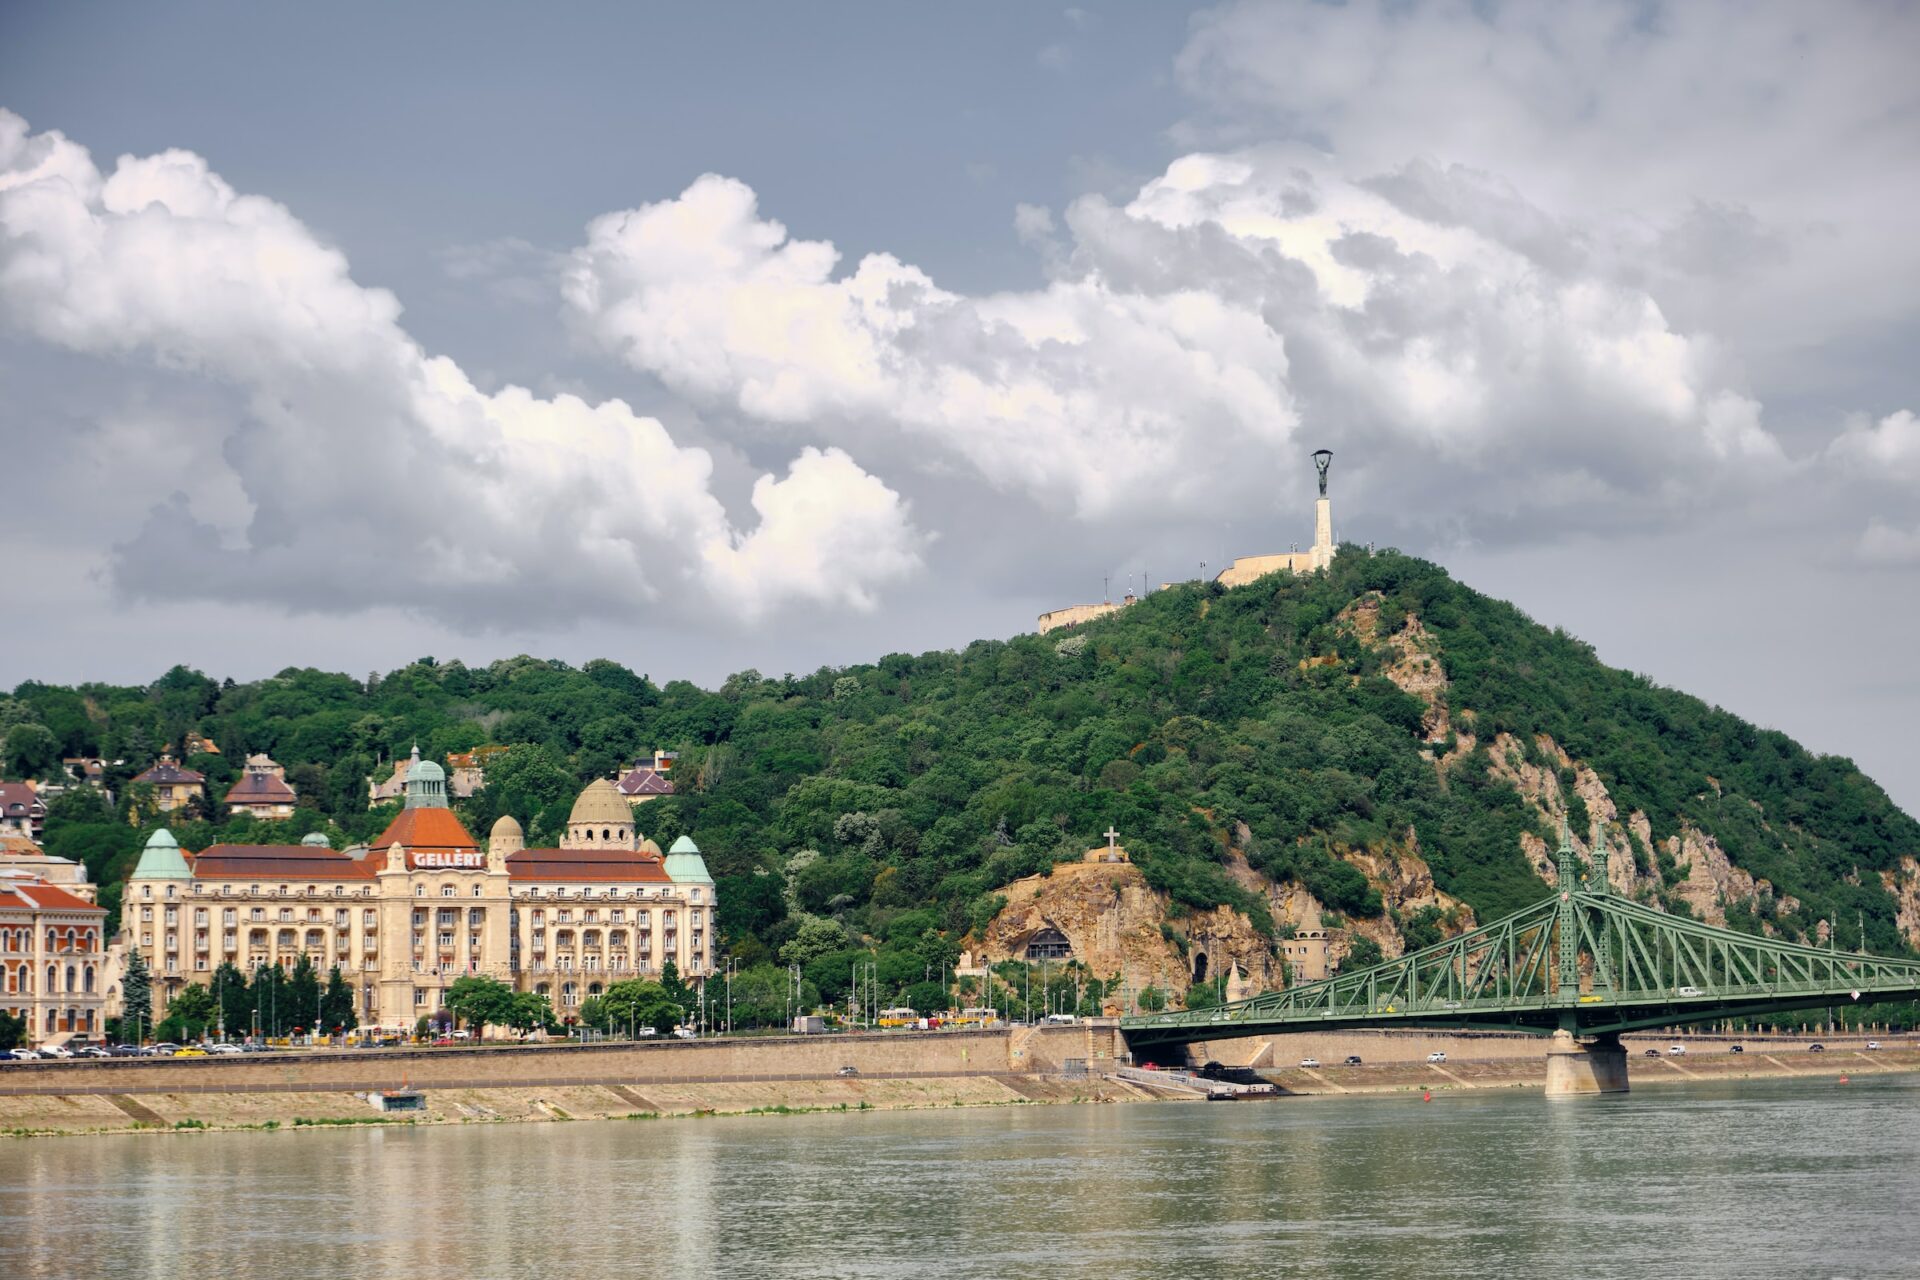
(1236, 739)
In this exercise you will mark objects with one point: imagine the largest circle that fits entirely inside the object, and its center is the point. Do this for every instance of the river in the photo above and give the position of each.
(1796, 1178)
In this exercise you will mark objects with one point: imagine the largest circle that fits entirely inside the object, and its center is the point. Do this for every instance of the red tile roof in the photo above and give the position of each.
(46, 897)
(260, 788)
(426, 829)
(624, 866)
(278, 861)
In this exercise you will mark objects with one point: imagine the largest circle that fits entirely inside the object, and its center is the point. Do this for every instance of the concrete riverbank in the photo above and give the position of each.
(1018, 1066)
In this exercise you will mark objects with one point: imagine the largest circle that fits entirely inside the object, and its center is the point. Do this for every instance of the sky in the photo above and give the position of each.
(776, 336)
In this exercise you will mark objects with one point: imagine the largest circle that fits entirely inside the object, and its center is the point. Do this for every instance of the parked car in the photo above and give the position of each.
(1310, 1063)
(445, 1040)
(848, 1071)
(225, 1050)
(1816, 1048)
(253, 1047)
(124, 1051)
(165, 1049)
(1653, 1053)
(6, 1055)
(93, 1051)
(190, 1051)
(1676, 1051)
(686, 1033)
(56, 1051)
(1738, 1048)
(1436, 1056)
(1353, 1060)
(26, 1055)
(1873, 1044)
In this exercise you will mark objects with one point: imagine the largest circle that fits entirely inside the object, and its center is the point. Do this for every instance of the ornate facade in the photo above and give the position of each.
(427, 903)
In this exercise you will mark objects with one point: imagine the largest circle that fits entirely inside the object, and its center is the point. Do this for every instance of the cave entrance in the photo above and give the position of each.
(1199, 966)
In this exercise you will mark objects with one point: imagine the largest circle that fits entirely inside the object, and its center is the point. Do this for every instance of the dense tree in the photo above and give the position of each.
(136, 996)
(629, 1006)
(481, 1002)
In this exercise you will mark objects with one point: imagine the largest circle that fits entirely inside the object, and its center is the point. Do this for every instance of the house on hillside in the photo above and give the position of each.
(22, 812)
(263, 790)
(644, 782)
(173, 784)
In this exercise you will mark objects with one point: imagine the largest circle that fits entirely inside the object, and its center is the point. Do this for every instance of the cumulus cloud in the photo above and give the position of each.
(373, 473)
(1430, 314)
(1886, 450)
(1755, 164)
(1077, 391)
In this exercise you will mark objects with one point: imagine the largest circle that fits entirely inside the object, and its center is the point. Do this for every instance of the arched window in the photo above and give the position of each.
(446, 891)
(286, 938)
(53, 979)
(89, 987)
(543, 989)
(605, 834)
(569, 994)
(73, 978)
(593, 988)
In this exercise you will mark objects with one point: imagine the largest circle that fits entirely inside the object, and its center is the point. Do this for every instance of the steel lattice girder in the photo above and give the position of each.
(1637, 968)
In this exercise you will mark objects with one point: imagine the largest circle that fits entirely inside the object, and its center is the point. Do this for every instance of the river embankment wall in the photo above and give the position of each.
(788, 1074)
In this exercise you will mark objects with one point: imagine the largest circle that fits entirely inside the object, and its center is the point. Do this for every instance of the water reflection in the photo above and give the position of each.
(1794, 1178)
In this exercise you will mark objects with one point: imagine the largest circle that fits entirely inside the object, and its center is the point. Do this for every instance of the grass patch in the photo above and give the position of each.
(191, 1124)
(316, 1122)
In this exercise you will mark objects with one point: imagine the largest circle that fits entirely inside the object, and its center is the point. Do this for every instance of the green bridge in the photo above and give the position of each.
(1583, 966)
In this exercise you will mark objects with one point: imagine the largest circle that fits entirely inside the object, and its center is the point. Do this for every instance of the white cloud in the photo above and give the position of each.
(1185, 334)
(1889, 546)
(1755, 165)
(1886, 450)
(370, 473)
(1075, 391)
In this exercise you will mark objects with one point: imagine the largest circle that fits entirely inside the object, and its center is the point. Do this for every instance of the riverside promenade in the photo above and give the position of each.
(1002, 1066)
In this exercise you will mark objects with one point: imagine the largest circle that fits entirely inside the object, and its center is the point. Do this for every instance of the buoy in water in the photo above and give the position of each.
(1843, 1080)
(1426, 1095)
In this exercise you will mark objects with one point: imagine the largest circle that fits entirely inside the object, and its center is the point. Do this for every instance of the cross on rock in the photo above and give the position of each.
(1111, 836)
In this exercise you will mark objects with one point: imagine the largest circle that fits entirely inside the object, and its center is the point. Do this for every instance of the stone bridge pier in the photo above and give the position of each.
(1577, 1069)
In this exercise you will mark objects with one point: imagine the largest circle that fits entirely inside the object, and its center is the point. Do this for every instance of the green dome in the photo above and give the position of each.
(426, 784)
(685, 865)
(314, 840)
(161, 859)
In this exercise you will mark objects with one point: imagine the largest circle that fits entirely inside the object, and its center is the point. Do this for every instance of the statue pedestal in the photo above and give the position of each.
(1576, 1070)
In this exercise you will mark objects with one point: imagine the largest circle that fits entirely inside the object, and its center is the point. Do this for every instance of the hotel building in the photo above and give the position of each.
(426, 904)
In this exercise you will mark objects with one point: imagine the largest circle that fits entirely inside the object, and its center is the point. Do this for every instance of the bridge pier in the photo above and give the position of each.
(1577, 1070)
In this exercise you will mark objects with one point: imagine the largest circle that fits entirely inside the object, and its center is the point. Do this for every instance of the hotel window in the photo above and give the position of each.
(283, 891)
(228, 941)
(369, 918)
(199, 962)
(170, 891)
(476, 891)
(258, 913)
(419, 997)
(172, 964)
(286, 913)
(253, 890)
(229, 916)
(446, 891)
(173, 915)
(419, 891)
(146, 891)
(200, 915)
(617, 914)
(146, 913)
(146, 939)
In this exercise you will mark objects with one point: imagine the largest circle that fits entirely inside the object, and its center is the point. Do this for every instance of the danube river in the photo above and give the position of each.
(1801, 1178)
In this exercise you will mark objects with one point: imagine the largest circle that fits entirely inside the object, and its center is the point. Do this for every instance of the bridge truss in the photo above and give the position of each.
(1585, 961)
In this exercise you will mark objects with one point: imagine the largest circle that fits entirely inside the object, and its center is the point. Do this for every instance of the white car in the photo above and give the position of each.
(1310, 1063)
(1690, 991)
(1676, 1051)
(1436, 1056)
(26, 1055)
(224, 1049)
(56, 1051)
(1873, 1044)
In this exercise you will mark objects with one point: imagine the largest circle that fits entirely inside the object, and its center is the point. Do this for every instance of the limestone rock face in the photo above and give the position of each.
(1712, 881)
(1112, 919)
(1415, 664)
(1904, 884)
